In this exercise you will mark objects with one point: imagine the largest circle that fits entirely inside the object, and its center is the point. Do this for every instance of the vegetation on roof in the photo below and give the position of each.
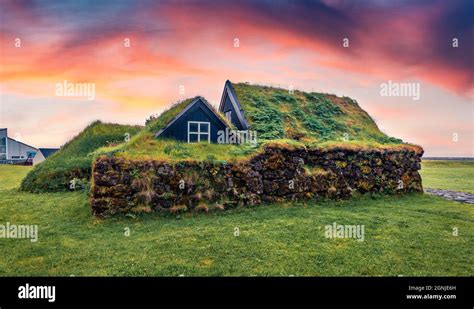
(303, 120)
(276, 113)
(157, 122)
(144, 146)
(74, 158)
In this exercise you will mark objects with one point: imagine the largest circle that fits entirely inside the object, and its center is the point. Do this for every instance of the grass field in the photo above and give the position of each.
(408, 235)
(448, 175)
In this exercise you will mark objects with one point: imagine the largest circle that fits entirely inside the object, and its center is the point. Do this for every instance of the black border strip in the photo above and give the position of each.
(236, 290)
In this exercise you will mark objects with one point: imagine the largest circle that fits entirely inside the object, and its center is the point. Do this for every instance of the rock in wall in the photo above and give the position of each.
(273, 175)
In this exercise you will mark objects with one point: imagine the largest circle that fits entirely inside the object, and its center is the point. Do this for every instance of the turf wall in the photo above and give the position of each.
(276, 174)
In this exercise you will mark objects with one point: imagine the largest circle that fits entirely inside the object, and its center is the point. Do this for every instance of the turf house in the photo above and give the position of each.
(308, 146)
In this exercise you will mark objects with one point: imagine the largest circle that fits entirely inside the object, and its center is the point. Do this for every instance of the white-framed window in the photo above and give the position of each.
(199, 131)
(228, 115)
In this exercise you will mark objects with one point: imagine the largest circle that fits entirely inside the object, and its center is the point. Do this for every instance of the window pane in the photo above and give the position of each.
(204, 137)
(204, 127)
(3, 149)
(3, 141)
(193, 138)
(193, 127)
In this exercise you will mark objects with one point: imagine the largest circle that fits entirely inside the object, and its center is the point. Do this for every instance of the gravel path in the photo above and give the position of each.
(461, 197)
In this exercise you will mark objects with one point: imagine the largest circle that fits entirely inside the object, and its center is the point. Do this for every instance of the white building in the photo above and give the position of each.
(12, 151)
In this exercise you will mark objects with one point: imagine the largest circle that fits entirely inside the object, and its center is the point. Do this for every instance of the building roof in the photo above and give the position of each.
(48, 151)
(6, 129)
(234, 99)
(21, 142)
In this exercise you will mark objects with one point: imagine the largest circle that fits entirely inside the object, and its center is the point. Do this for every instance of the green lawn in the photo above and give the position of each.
(448, 175)
(408, 235)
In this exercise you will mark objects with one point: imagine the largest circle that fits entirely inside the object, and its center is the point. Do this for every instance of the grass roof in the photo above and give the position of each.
(296, 120)
(144, 146)
(310, 117)
(158, 122)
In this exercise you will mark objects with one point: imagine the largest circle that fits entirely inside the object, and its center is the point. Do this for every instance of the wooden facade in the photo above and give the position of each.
(198, 122)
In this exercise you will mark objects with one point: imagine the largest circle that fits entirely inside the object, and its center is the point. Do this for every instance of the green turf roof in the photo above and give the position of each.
(276, 113)
(156, 123)
(299, 119)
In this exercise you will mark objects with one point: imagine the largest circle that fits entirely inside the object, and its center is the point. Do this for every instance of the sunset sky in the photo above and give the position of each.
(193, 44)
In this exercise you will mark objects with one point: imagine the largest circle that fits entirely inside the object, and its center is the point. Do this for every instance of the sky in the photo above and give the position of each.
(142, 56)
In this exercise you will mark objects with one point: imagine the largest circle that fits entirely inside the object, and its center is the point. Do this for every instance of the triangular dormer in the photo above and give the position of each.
(231, 108)
(196, 122)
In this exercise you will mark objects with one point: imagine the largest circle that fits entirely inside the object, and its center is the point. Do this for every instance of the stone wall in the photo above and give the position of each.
(273, 175)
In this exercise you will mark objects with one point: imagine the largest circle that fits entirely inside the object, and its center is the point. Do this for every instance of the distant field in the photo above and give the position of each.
(11, 175)
(448, 175)
(408, 235)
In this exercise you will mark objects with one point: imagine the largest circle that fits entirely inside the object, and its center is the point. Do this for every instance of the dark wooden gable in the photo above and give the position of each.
(197, 111)
(230, 103)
